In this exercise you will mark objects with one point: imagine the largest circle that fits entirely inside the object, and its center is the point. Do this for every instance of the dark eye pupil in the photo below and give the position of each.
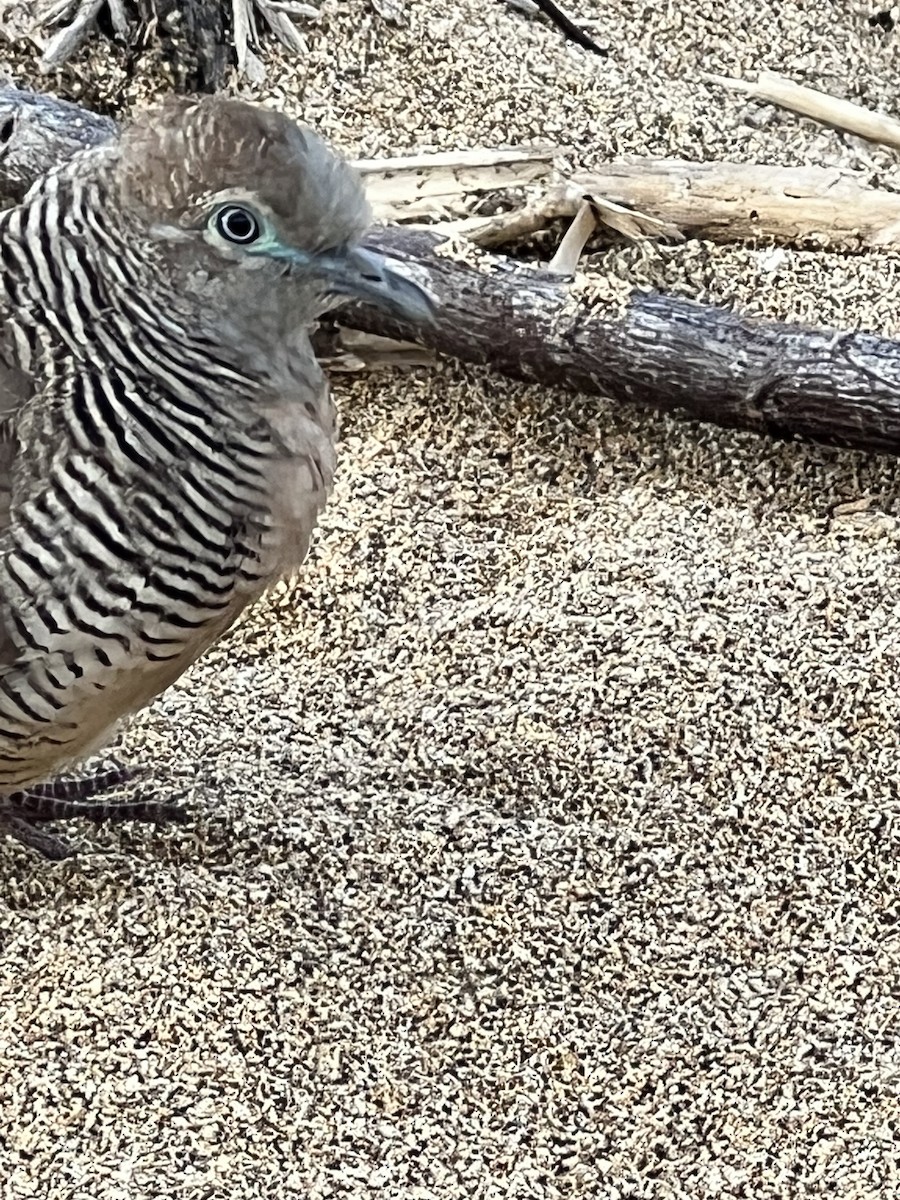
(237, 225)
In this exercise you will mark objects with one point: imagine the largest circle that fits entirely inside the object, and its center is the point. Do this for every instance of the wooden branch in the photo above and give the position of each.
(422, 185)
(639, 198)
(501, 228)
(571, 248)
(37, 132)
(727, 202)
(844, 115)
(654, 351)
(66, 41)
(649, 350)
(568, 25)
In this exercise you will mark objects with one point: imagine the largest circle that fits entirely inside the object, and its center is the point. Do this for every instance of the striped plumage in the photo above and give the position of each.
(166, 436)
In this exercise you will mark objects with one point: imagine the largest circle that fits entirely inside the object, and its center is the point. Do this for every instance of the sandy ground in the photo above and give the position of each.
(547, 829)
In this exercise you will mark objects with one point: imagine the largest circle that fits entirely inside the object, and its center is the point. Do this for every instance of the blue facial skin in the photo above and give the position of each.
(356, 272)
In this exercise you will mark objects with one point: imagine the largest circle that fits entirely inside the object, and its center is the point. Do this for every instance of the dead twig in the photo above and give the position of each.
(571, 248)
(844, 115)
(569, 26)
(417, 186)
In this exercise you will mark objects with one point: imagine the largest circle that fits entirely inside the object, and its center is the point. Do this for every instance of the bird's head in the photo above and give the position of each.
(242, 198)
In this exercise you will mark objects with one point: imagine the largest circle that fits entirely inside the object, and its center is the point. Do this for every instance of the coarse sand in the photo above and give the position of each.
(547, 824)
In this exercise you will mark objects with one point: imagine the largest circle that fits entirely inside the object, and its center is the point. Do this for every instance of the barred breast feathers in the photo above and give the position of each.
(157, 484)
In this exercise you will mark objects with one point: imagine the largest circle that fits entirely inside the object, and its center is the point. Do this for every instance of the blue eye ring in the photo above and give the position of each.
(237, 224)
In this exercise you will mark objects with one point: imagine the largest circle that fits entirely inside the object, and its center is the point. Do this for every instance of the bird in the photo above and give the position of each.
(167, 437)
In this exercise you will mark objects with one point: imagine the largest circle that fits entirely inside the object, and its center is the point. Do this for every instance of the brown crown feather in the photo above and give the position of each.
(182, 151)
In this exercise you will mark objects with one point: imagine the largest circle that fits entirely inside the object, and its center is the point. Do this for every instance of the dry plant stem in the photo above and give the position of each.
(245, 31)
(654, 351)
(281, 25)
(118, 17)
(292, 8)
(629, 222)
(57, 10)
(67, 41)
(807, 102)
(571, 248)
(504, 227)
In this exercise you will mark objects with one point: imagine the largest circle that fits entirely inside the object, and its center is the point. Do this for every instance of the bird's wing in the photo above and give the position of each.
(16, 386)
(7, 450)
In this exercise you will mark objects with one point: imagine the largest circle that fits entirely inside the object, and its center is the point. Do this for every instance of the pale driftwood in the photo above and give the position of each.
(727, 202)
(770, 88)
(422, 185)
(571, 248)
(442, 186)
(501, 228)
(652, 350)
(640, 198)
(630, 222)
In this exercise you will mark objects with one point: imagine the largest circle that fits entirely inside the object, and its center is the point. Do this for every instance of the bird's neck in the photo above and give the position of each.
(107, 295)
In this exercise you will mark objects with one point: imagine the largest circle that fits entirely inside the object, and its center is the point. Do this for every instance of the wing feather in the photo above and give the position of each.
(16, 387)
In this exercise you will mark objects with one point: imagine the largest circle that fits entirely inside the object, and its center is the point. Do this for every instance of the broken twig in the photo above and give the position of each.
(819, 106)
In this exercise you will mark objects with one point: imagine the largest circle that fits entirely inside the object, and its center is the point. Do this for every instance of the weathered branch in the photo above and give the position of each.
(37, 132)
(818, 385)
(843, 115)
(728, 202)
(428, 185)
(839, 388)
(638, 197)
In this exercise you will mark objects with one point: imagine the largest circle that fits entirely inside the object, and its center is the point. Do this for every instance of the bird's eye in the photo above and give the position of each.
(236, 224)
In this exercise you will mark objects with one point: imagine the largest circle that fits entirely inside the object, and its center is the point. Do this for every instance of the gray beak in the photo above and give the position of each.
(365, 275)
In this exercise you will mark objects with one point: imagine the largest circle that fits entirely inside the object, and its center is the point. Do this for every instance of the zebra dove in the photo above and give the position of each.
(166, 435)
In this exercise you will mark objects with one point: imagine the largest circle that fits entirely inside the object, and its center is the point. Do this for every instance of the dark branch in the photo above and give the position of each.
(663, 353)
(569, 28)
(38, 132)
